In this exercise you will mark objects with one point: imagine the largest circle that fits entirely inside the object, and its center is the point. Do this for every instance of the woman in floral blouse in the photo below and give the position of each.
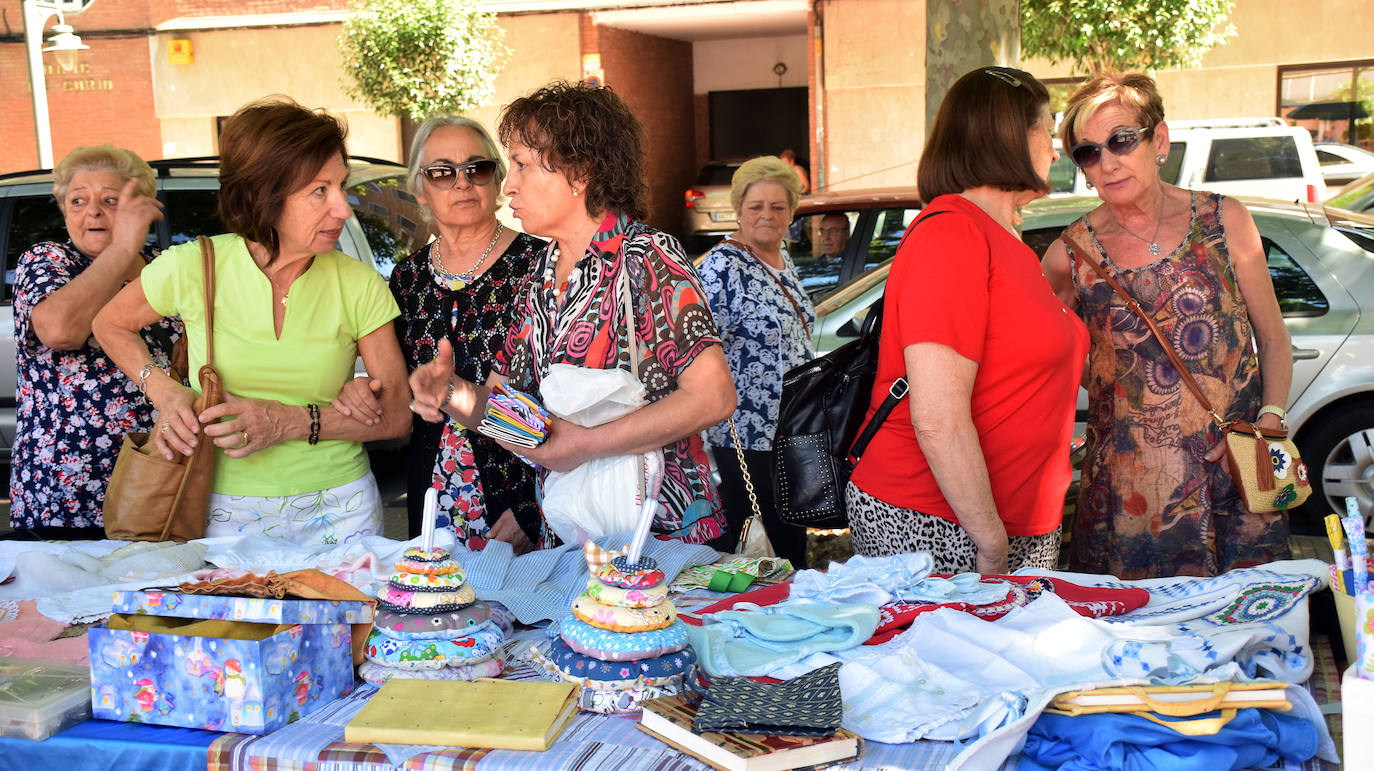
(576, 177)
(74, 404)
(461, 288)
(765, 319)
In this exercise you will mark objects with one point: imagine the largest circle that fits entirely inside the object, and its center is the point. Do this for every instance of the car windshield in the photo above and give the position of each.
(1357, 196)
(1356, 227)
(854, 288)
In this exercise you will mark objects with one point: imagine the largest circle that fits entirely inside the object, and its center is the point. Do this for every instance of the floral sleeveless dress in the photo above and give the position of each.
(1150, 504)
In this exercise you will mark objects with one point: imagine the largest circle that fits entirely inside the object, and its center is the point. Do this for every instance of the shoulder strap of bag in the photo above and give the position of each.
(1169, 350)
(781, 286)
(898, 390)
(207, 260)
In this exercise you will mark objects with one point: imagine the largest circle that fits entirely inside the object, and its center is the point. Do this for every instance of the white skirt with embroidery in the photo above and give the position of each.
(330, 516)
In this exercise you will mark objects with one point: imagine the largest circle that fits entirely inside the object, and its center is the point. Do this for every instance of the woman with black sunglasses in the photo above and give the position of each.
(1155, 499)
(460, 287)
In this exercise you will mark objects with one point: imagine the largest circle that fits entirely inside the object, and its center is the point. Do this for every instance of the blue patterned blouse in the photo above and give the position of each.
(762, 333)
(74, 407)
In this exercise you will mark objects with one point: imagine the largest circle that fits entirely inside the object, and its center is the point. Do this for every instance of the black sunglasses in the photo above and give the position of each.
(1123, 141)
(444, 175)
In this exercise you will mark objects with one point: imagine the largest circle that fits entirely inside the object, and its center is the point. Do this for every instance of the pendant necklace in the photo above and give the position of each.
(1154, 248)
(456, 281)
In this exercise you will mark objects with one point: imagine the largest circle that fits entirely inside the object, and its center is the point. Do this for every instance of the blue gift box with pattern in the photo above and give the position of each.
(224, 663)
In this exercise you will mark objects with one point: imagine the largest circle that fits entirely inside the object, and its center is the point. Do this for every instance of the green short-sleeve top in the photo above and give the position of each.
(336, 302)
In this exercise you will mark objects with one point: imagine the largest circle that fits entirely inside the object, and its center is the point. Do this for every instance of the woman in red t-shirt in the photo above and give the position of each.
(975, 472)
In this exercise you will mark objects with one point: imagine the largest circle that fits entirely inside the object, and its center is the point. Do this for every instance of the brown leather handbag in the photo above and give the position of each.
(1263, 462)
(150, 498)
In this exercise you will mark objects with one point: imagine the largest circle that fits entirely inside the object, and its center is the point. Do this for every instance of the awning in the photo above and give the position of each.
(1329, 111)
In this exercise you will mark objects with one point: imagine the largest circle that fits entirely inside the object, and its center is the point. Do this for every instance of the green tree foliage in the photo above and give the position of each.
(417, 58)
(1100, 35)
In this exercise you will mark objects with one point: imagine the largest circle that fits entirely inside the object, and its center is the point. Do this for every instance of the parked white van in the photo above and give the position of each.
(1255, 157)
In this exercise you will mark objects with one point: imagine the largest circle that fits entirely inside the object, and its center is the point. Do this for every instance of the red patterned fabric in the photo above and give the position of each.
(895, 618)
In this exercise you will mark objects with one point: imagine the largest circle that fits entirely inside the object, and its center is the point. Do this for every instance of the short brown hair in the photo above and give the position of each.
(269, 149)
(1134, 92)
(980, 135)
(587, 134)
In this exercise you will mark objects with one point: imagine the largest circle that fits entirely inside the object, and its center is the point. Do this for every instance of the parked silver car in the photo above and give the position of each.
(1322, 263)
(385, 227)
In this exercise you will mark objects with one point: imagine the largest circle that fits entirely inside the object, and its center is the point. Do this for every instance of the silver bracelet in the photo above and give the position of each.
(143, 377)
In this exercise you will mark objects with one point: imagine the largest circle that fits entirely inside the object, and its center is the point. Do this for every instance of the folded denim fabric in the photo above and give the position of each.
(809, 705)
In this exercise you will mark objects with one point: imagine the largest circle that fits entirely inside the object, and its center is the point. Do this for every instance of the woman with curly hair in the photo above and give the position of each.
(576, 178)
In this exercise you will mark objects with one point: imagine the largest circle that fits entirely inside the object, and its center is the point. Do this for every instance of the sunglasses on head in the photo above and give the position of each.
(445, 175)
(1123, 141)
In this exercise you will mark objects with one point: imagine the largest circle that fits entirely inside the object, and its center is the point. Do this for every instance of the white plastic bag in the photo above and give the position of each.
(601, 496)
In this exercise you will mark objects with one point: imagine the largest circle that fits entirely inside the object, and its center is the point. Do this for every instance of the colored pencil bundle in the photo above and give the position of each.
(514, 417)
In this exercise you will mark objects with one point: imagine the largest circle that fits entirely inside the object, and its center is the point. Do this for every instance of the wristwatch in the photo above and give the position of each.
(1278, 412)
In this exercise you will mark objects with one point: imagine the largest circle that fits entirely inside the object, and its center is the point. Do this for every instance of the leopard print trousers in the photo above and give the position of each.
(880, 529)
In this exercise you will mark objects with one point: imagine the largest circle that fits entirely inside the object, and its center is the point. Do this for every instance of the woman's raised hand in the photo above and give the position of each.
(429, 384)
(133, 216)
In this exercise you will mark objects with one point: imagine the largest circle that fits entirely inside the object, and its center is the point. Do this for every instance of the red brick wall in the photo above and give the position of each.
(654, 76)
(108, 98)
(167, 9)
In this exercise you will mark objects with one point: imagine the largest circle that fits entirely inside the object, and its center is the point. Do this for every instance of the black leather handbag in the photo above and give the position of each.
(821, 425)
(821, 432)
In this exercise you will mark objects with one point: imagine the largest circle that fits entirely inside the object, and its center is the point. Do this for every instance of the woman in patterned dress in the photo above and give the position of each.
(461, 288)
(74, 404)
(576, 177)
(1156, 498)
(765, 319)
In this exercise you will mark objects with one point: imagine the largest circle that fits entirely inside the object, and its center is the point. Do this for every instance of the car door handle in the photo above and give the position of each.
(1303, 354)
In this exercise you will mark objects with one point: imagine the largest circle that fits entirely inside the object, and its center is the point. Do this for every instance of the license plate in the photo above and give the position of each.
(727, 216)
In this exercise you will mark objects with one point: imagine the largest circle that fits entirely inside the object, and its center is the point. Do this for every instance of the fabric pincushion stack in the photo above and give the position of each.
(429, 625)
(623, 642)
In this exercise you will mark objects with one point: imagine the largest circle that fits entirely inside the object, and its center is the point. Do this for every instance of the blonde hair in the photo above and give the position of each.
(124, 163)
(1134, 92)
(765, 168)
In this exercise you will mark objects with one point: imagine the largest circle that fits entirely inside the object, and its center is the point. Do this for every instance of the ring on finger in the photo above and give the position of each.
(165, 427)
(245, 438)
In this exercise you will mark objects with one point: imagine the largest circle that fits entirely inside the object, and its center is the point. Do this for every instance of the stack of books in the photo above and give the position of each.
(669, 719)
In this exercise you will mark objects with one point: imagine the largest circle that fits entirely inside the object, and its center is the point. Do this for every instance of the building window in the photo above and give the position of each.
(1334, 100)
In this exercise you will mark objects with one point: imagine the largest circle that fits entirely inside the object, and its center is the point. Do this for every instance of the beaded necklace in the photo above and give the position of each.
(456, 281)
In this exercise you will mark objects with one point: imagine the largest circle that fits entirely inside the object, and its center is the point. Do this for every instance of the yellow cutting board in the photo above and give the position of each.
(497, 714)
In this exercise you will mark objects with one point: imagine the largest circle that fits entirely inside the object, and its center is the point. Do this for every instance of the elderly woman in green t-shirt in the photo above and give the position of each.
(292, 313)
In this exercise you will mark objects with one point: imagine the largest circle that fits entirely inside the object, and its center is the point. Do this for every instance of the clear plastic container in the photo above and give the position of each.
(38, 699)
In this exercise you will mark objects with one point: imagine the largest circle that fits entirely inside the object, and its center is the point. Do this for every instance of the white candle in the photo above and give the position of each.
(427, 523)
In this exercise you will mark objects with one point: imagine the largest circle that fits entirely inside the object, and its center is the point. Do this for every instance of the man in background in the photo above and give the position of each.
(833, 235)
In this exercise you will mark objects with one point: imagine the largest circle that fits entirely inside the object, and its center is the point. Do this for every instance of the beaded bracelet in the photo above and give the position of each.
(314, 423)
